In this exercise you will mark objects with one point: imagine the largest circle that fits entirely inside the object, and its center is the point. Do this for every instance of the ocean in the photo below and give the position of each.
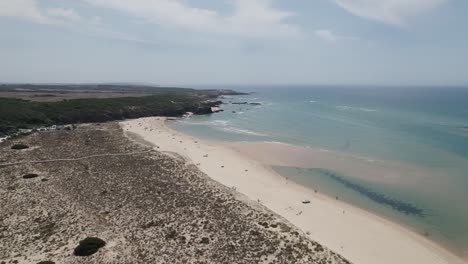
(412, 142)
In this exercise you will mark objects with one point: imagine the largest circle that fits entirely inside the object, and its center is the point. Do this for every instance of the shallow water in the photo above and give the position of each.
(423, 127)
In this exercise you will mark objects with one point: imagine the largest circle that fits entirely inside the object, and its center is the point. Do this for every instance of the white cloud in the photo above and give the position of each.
(247, 18)
(250, 18)
(63, 13)
(64, 17)
(393, 12)
(31, 11)
(25, 9)
(330, 36)
(326, 35)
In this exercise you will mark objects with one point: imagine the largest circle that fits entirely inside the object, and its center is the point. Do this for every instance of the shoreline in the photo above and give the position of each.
(278, 154)
(362, 236)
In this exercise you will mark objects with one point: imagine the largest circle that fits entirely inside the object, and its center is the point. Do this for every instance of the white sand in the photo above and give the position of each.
(359, 236)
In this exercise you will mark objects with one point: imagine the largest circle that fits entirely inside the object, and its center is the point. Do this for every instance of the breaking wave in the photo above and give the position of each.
(243, 131)
(345, 108)
(207, 123)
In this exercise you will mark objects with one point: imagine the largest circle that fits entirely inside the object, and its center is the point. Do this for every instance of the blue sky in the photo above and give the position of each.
(197, 42)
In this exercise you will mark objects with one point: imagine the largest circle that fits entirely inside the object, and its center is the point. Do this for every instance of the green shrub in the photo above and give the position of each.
(205, 240)
(19, 146)
(89, 246)
(171, 234)
(30, 176)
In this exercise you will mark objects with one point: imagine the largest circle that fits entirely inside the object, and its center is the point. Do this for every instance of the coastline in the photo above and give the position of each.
(359, 236)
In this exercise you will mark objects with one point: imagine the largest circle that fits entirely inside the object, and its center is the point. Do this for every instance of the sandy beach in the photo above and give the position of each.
(359, 236)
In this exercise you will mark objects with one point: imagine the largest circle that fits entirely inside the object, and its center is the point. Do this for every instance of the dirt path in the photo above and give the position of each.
(74, 159)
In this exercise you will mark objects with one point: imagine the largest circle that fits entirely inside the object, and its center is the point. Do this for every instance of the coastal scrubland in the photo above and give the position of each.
(132, 204)
(24, 106)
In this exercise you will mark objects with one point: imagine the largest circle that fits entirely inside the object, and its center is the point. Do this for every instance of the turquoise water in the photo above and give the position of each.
(424, 127)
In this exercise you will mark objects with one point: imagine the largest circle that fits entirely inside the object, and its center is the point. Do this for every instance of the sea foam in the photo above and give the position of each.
(345, 107)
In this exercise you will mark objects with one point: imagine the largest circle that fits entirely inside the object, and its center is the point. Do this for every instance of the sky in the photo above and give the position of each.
(233, 42)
